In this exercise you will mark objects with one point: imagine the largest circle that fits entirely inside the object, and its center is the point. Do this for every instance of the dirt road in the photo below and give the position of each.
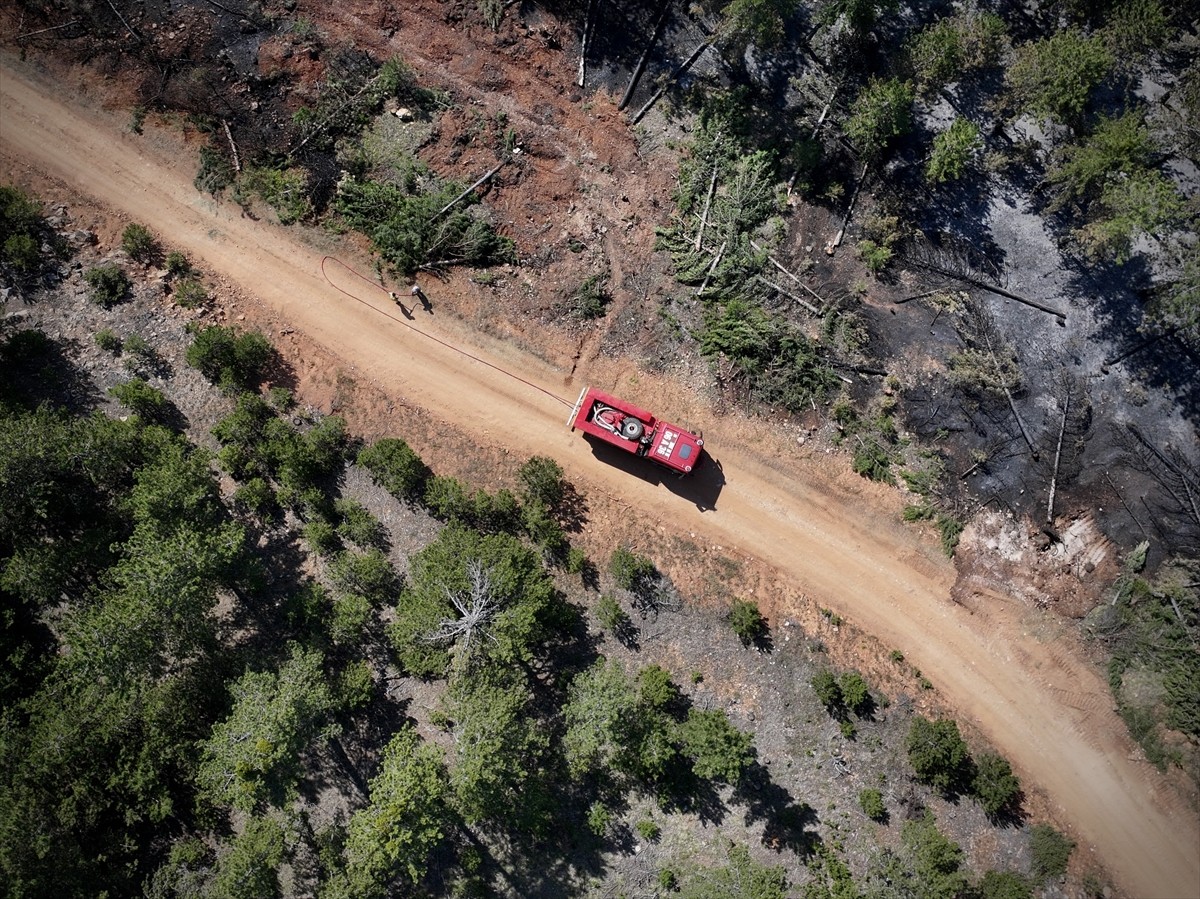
(829, 541)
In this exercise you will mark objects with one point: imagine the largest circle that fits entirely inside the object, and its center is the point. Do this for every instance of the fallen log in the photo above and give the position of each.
(1062, 429)
(992, 288)
(1138, 347)
(791, 296)
(712, 268)
(712, 187)
(44, 30)
(237, 159)
(641, 66)
(915, 296)
(1183, 478)
(466, 192)
(587, 29)
(837, 240)
(675, 76)
(779, 265)
(816, 130)
(1011, 402)
(1125, 504)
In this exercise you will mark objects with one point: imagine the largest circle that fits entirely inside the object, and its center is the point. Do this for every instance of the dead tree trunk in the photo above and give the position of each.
(137, 37)
(675, 76)
(237, 160)
(44, 30)
(1125, 504)
(712, 268)
(915, 296)
(466, 192)
(991, 288)
(1183, 478)
(1008, 393)
(587, 29)
(779, 265)
(791, 296)
(329, 118)
(816, 130)
(1138, 347)
(712, 188)
(1062, 429)
(837, 240)
(641, 66)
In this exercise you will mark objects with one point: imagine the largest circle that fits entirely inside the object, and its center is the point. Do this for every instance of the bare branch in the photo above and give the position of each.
(475, 610)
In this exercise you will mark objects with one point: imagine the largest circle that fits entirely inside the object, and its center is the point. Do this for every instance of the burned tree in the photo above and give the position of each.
(1174, 509)
(1075, 421)
(987, 363)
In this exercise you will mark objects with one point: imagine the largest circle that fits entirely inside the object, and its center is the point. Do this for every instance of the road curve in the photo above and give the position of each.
(868, 568)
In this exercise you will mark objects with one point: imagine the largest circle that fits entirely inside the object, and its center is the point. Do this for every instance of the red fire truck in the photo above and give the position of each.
(636, 431)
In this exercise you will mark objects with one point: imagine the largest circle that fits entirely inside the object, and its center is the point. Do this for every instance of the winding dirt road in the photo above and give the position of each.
(818, 537)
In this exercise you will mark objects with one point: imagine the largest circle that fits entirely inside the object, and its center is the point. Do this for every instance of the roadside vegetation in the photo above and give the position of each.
(205, 687)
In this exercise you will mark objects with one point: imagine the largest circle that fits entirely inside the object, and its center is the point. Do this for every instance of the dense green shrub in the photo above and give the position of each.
(1147, 202)
(591, 298)
(780, 365)
(629, 570)
(368, 574)
(935, 55)
(741, 878)
(1054, 77)
(717, 748)
(648, 830)
(873, 459)
(542, 478)
(881, 113)
(108, 341)
(396, 468)
(610, 615)
(139, 243)
(938, 754)
(409, 230)
(21, 227)
(1136, 28)
(861, 15)
(950, 529)
(110, 285)
(357, 524)
(875, 256)
(747, 621)
(1004, 885)
(255, 496)
(178, 264)
(1051, 851)
(856, 694)
(141, 399)
(828, 691)
(190, 293)
(994, 785)
(1115, 148)
(871, 802)
(952, 151)
(284, 190)
(215, 172)
(232, 360)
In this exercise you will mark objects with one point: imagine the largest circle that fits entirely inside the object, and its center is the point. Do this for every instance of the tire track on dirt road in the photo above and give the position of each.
(843, 547)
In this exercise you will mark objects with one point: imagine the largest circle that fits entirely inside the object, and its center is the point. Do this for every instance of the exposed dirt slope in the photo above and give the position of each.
(834, 538)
